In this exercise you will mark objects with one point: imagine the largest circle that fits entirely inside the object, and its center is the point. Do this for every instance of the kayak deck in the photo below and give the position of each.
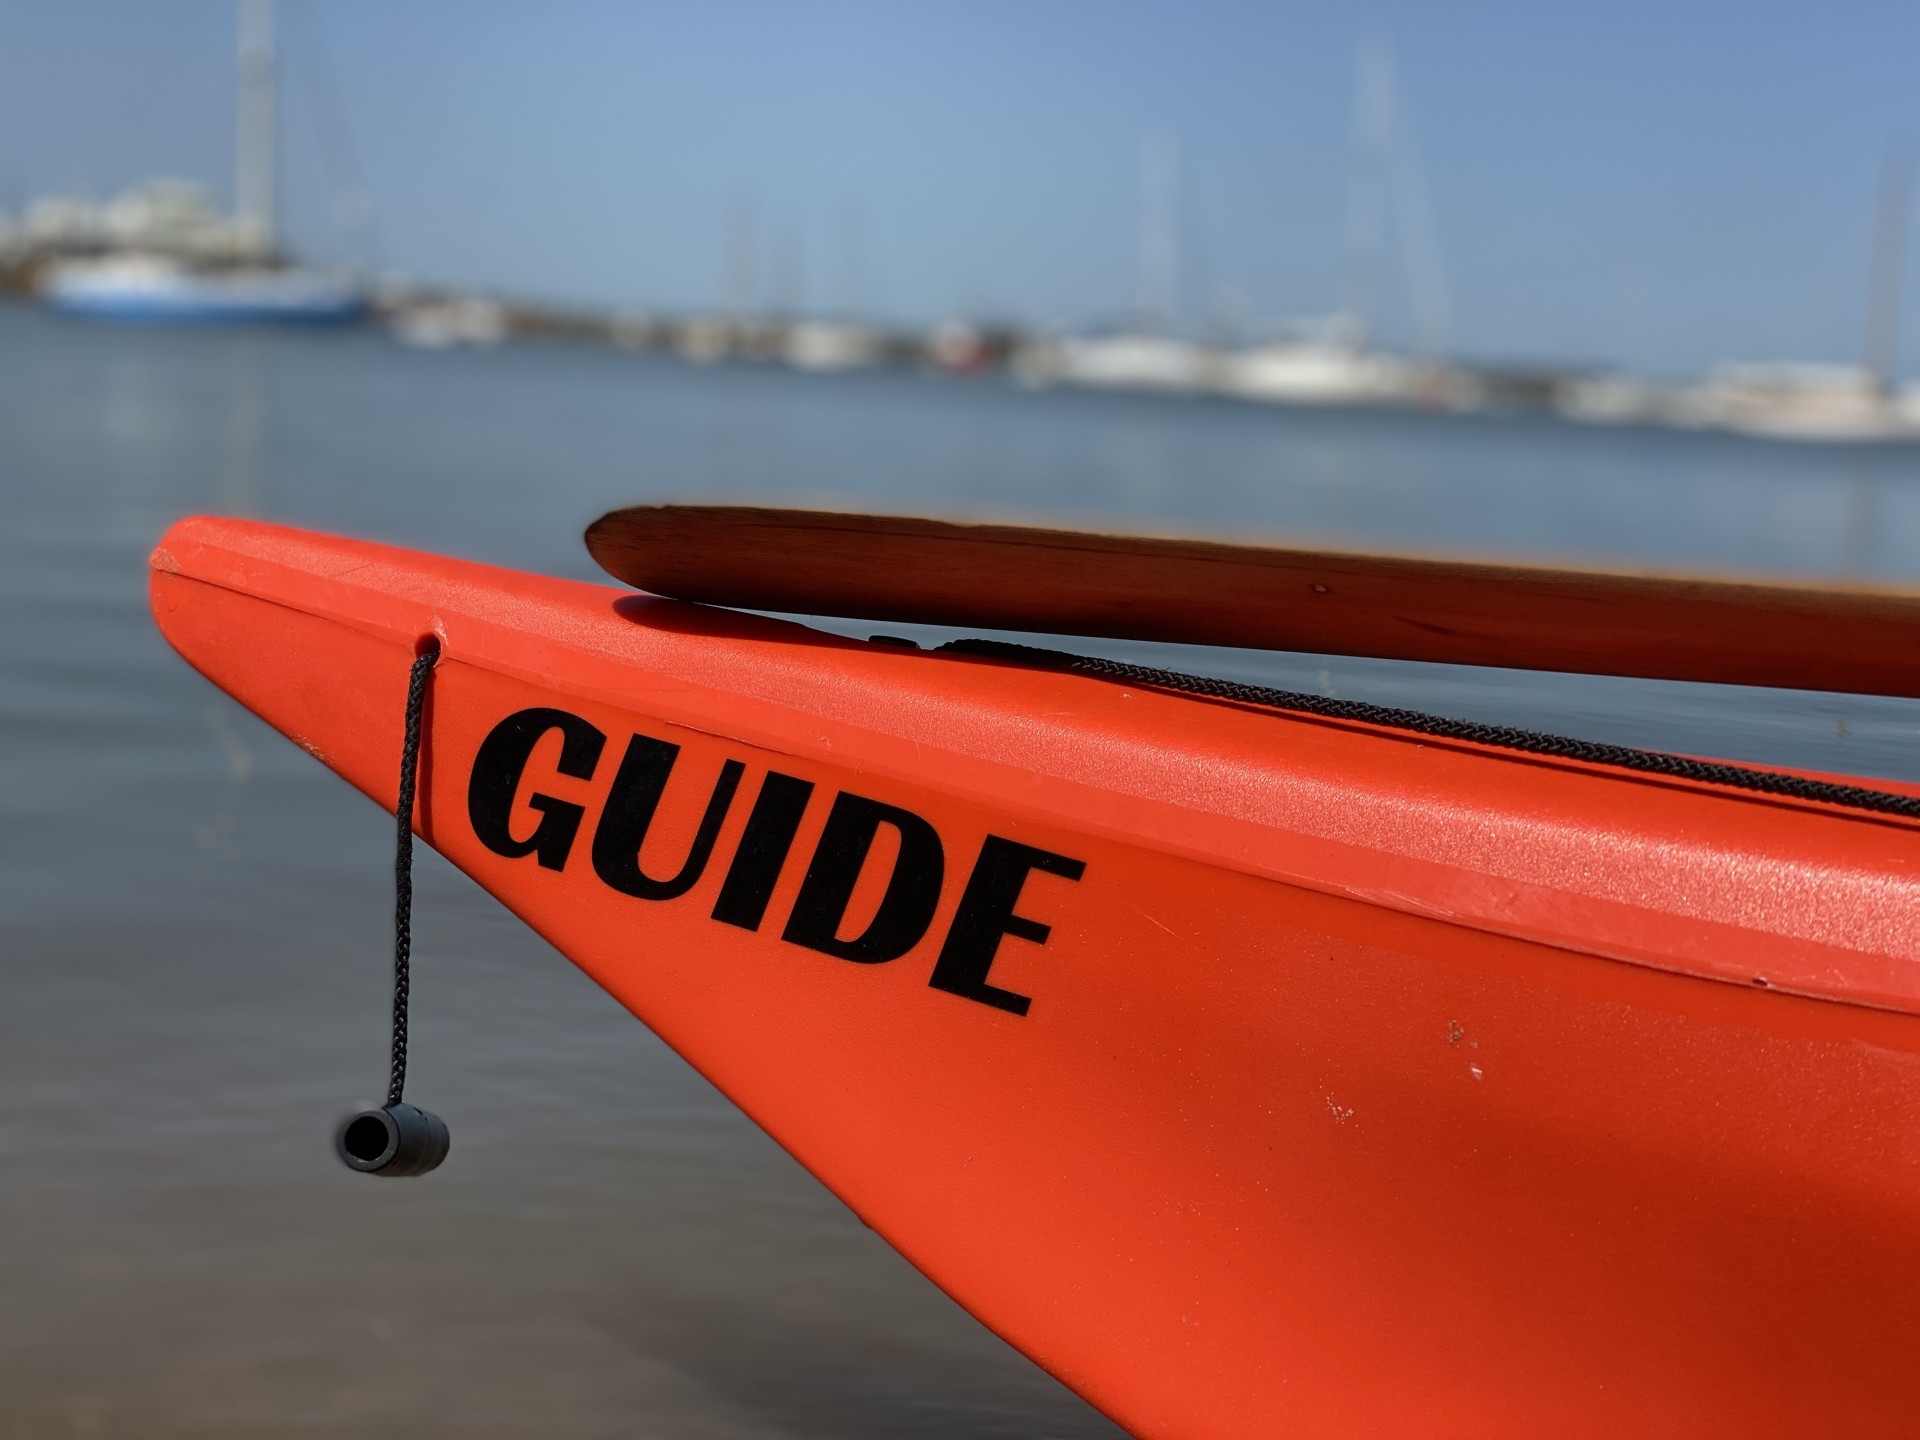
(1253, 1072)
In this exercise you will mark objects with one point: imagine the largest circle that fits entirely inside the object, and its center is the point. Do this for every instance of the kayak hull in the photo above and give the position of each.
(1254, 1074)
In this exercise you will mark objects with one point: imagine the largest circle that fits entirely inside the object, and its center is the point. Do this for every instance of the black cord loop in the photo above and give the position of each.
(400, 1139)
(403, 863)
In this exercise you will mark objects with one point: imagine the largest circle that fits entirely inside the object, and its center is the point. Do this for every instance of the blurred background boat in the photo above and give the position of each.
(1835, 403)
(161, 253)
(1791, 400)
(1329, 364)
(159, 288)
(461, 321)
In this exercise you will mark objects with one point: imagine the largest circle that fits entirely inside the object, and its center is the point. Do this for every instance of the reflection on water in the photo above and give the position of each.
(192, 913)
(244, 456)
(1863, 515)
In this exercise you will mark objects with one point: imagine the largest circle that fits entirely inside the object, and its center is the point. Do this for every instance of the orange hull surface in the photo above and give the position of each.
(1254, 1073)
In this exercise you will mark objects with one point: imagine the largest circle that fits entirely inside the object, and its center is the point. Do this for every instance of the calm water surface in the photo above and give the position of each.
(194, 915)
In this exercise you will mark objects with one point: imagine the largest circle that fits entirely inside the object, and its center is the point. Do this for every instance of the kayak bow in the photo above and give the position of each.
(1253, 1072)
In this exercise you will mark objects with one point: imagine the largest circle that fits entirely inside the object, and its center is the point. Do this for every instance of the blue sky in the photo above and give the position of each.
(1658, 185)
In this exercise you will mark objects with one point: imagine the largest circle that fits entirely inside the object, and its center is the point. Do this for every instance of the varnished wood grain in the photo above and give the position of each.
(1799, 635)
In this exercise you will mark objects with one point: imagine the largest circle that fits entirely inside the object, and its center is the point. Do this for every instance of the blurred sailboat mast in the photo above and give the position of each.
(1159, 298)
(1889, 261)
(1367, 187)
(254, 159)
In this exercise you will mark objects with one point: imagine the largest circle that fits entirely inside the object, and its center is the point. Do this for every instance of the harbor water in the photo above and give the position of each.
(195, 916)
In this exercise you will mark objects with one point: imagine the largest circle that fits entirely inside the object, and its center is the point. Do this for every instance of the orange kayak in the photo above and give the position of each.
(1254, 1072)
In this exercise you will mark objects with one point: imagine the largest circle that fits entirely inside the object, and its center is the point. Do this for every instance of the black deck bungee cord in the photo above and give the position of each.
(1505, 737)
(400, 1139)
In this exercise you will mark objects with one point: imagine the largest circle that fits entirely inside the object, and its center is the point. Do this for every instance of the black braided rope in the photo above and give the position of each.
(1505, 737)
(403, 864)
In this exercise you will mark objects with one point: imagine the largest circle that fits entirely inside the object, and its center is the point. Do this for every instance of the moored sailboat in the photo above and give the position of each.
(243, 280)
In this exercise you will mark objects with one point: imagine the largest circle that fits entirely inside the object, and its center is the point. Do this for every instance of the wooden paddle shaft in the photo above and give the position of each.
(1808, 636)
